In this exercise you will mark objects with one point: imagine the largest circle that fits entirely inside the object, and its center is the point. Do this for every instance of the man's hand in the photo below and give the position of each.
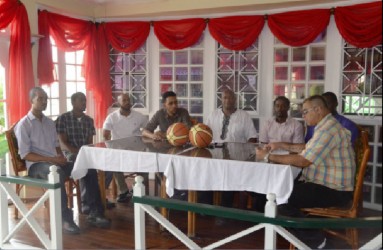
(59, 160)
(260, 153)
(158, 135)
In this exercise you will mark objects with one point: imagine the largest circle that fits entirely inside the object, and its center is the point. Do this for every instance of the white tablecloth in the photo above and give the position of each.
(192, 173)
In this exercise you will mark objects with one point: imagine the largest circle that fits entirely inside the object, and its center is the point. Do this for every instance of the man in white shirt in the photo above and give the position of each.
(122, 123)
(230, 124)
(281, 128)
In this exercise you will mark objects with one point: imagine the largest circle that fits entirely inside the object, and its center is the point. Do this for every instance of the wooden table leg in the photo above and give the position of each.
(101, 184)
(192, 197)
(163, 195)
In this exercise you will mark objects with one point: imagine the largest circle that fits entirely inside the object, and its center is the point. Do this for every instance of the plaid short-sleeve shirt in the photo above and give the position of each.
(77, 130)
(332, 155)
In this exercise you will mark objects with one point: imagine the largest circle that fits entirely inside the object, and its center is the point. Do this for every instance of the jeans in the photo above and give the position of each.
(40, 170)
(90, 190)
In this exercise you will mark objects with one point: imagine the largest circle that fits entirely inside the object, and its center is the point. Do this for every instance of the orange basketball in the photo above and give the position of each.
(200, 135)
(177, 134)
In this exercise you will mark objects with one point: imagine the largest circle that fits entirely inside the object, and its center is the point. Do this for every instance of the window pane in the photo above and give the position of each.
(196, 57)
(317, 73)
(281, 55)
(166, 57)
(166, 74)
(195, 90)
(196, 74)
(181, 73)
(181, 57)
(299, 54)
(317, 53)
(181, 90)
(70, 72)
(70, 57)
(298, 73)
(281, 73)
(225, 62)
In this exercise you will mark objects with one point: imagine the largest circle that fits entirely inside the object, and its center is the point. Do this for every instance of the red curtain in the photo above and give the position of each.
(299, 28)
(73, 34)
(20, 69)
(179, 34)
(236, 32)
(127, 36)
(360, 25)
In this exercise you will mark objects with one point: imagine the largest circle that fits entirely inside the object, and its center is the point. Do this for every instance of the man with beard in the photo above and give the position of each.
(281, 128)
(163, 118)
(122, 123)
(76, 129)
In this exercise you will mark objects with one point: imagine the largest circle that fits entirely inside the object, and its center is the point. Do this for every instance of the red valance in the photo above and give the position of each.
(299, 28)
(20, 69)
(179, 34)
(127, 36)
(360, 25)
(236, 32)
(69, 34)
(73, 34)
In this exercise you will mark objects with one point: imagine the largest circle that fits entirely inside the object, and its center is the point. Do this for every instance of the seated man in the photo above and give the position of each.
(76, 129)
(328, 162)
(123, 122)
(281, 128)
(39, 147)
(163, 118)
(230, 124)
(332, 104)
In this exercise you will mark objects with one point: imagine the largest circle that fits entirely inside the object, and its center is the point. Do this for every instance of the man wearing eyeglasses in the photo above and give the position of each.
(230, 124)
(332, 103)
(328, 163)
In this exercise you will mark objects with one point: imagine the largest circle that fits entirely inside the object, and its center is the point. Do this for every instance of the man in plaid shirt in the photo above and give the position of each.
(76, 129)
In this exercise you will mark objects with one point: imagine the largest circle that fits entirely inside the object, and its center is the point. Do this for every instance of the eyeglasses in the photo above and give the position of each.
(305, 111)
(225, 124)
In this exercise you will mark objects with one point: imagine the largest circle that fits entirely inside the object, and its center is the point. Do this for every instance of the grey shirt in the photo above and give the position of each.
(162, 119)
(35, 136)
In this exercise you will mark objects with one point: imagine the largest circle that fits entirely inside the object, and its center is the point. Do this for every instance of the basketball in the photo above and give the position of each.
(200, 135)
(177, 134)
(201, 152)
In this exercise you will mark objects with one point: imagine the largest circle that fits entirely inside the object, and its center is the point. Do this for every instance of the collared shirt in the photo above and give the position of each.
(332, 156)
(240, 128)
(35, 136)
(123, 126)
(163, 120)
(347, 123)
(290, 131)
(77, 130)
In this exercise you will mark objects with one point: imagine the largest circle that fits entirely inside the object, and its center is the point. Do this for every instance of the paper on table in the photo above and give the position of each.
(280, 152)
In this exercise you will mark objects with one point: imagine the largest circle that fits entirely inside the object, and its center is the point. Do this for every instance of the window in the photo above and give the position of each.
(238, 71)
(362, 81)
(128, 74)
(181, 71)
(68, 80)
(299, 72)
(3, 142)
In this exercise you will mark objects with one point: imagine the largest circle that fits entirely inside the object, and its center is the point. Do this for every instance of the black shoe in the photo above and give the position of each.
(98, 221)
(109, 205)
(124, 197)
(69, 227)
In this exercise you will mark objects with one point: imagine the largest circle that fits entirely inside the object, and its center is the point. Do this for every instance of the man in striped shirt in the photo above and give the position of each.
(328, 162)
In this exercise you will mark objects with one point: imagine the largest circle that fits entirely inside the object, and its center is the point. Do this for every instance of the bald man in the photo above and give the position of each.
(122, 123)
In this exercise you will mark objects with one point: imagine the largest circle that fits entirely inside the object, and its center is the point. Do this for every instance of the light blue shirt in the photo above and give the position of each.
(35, 136)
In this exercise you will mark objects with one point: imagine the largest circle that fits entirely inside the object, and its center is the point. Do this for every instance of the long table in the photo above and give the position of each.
(230, 166)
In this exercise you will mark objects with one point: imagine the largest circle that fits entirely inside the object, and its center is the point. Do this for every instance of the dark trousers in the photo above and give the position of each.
(40, 170)
(309, 195)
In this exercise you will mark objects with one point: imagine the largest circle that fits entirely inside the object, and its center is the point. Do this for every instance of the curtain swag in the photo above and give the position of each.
(359, 25)
(20, 69)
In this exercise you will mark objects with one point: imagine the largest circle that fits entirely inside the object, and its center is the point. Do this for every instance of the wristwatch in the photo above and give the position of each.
(266, 158)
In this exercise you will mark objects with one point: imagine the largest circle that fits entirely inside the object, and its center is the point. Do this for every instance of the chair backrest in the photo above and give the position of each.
(17, 163)
(362, 153)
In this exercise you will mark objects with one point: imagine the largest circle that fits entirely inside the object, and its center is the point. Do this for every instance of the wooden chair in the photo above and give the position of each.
(362, 152)
(20, 169)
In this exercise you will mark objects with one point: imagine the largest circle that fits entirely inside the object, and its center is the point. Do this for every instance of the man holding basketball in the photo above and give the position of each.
(163, 118)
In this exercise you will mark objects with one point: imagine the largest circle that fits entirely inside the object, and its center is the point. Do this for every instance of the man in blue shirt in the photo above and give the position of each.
(332, 104)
